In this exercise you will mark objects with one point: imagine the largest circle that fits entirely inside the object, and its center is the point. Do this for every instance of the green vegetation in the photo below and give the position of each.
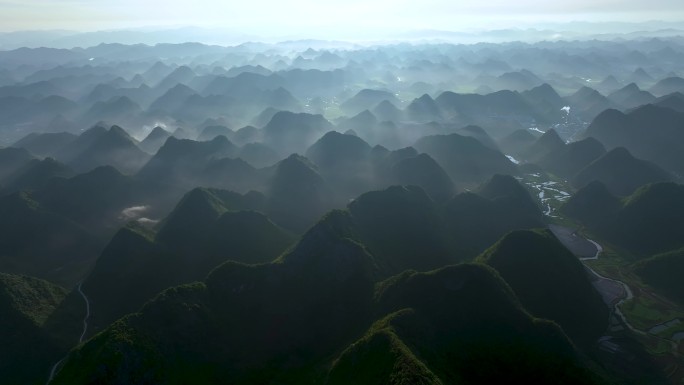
(620, 172)
(476, 220)
(242, 318)
(550, 282)
(573, 157)
(663, 272)
(297, 195)
(423, 171)
(207, 228)
(464, 158)
(27, 348)
(647, 222)
(38, 241)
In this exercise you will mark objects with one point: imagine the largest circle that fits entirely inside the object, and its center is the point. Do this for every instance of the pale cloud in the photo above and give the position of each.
(300, 15)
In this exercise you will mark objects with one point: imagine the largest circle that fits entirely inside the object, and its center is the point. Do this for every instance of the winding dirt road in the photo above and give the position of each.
(53, 371)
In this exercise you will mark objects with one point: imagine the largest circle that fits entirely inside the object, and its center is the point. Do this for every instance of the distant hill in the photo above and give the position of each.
(46, 144)
(94, 199)
(631, 96)
(589, 103)
(673, 101)
(620, 172)
(111, 148)
(154, 140)
(179, 76)
(34, 175)
(40, 242)
(593, 205)
(386, 111)
(343, 160)
(465, 159)
(647, 222)
(573, 158)
(549, 143)
(233, 174)
(181, 160)
(247, 134)
(398, 225)
(294, 133)
(649, 132)
(423, 171)
(258, 155)
(610, 83)
(116, 109)
(471, 108)
(517, 81)
(366, 99)
(651, 218)
(668, 86)
(264, 117)
(641, 76)
(546, 99)
(517, 142)
(210, 132)
(207, 228)
(423, 109)
(363, 123)
(480, 134)
(172, 99)
(502, 204)
(297, 194)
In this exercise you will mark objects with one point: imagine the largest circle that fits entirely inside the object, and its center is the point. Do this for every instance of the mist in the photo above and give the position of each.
(336, 193)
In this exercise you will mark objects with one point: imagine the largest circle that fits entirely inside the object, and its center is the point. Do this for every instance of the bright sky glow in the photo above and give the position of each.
(299, 16)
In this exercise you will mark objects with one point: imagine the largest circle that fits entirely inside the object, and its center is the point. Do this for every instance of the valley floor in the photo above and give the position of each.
(634, 309)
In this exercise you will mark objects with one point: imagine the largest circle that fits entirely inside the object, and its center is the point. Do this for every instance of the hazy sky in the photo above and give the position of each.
(297, 16)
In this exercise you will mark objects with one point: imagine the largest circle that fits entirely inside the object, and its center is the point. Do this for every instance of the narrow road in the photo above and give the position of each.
(53, 371)
(85, 319)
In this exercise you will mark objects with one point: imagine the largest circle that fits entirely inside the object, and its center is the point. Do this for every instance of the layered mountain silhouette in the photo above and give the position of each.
(464, 158)
(366, 99)
(180, 160)
(207, 228)
(549, 144)
(478, 219)
(647, 222)
(34, 175)
(27, 305)
(548, 278)
(517, 142)
(297, 194)
(334, 275)
(294, 133)
(154, 140)
(589, 103)
(344, 162)
(412, 341)
(45, 144)
(620, 172)
(325, 212)
(651, 133)
(575, 157)
(661, 272)
(39, 241)
(425, 172)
